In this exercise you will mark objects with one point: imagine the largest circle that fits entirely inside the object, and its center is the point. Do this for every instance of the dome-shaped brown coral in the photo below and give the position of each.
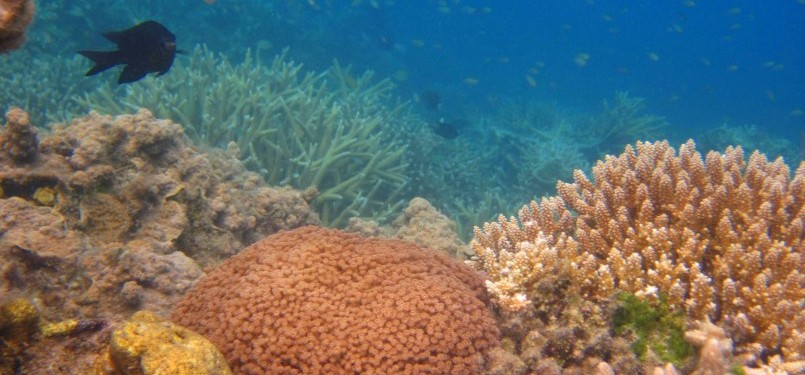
(320, 301)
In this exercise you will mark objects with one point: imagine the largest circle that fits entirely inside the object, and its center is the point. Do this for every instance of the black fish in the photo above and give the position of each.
(145, 48)
(445, 129)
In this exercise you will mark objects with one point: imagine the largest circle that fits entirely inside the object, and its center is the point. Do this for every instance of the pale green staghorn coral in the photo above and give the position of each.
(329, 130)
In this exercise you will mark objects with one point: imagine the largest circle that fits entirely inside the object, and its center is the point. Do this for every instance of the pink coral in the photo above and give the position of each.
(320, 301)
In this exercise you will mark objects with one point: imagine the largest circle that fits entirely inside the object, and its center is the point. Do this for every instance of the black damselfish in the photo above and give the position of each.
(145, 48)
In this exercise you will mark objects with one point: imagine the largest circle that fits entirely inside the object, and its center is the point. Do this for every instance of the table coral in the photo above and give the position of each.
(321, 301)
(721, 237)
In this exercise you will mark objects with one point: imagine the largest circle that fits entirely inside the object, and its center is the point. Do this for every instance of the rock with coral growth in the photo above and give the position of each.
(425, 225)
(320, 301)
(150, 345)
(420, 223)
(15, 16)
(119, 214)
(18, 140)
(141, 345)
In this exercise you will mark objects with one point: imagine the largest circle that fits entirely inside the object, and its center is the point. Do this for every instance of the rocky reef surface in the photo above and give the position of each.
(105, 216)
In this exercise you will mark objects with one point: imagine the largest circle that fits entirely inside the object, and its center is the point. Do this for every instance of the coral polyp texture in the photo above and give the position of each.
(15, 16)
(117, 214)
(718, 236)
(322, 301)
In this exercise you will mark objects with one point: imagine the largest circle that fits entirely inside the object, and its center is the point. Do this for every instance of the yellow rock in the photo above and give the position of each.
(150, 345)
(62, 328)
(18, 319)
(45, 196)
(18, 323)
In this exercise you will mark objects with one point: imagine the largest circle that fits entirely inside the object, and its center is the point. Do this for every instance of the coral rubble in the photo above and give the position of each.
(112, 215)
(720, 237)
(322, 301)
(15, 16)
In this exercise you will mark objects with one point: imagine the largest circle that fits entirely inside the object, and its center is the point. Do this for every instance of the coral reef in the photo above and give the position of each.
(516, 154)
(316, 300)
(720, 237)
(623, 122)
(117, 214)
(145, 344)
(18, 140)
(420, 223)
(43, 85)
(545, 161)
(15, 16)
(751, 138)
(331, 131)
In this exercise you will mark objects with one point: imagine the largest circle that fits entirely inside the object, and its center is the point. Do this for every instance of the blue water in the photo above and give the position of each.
(698, 64)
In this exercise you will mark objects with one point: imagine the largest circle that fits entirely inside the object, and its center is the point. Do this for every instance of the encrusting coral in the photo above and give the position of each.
(15, 16)
(144, 344)
(148, 344)
(720, 237)
(19, 141)
(322, 301)
(420, 223)
(119, 214)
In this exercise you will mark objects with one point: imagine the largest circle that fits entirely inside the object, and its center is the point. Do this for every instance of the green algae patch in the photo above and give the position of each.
(656, 326)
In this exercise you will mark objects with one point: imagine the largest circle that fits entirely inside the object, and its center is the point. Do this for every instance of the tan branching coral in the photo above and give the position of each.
(721, 237)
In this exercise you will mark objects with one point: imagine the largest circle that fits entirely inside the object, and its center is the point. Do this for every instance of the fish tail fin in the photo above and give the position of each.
(103, 60)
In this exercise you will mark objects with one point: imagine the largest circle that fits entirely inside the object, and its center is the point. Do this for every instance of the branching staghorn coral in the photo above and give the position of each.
(721, 237)
(44, 87)
(621, 123)
(331, 131)
(545, 161)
